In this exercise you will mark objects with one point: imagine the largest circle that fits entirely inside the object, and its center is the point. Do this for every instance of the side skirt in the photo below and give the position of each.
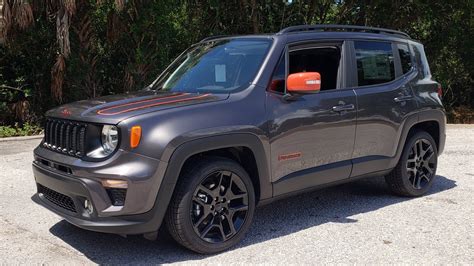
(322, 186)
(312, 177)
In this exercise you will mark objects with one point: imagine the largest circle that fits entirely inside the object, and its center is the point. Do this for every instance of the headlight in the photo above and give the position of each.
(109, 138)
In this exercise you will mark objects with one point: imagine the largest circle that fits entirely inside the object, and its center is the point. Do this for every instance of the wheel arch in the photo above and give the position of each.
(429, 126)
(432, 121)
(215, 145)
(245, 148)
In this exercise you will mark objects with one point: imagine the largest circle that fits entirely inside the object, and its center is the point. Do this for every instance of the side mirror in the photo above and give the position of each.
(304, 82)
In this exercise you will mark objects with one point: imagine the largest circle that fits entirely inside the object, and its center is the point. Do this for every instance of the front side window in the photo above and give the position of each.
(375, 63)
(322, 59)
(221, 66)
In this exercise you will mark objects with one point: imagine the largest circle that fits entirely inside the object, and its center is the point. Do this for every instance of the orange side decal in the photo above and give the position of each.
(289, 156)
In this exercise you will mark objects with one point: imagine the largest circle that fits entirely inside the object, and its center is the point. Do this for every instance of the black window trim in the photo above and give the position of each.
(275, 68)
(397, 61)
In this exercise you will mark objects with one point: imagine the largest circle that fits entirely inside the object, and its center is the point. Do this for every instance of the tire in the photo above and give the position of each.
(414, 174)
(216, 195)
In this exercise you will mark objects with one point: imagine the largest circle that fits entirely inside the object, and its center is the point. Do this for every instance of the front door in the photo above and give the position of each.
(312, 135)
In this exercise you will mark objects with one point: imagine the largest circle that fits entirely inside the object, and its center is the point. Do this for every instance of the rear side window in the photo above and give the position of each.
(405, 57)
(374, 62)
(421, 61)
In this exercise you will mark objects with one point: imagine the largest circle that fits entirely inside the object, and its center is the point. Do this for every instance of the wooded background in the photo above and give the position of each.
(54, 51)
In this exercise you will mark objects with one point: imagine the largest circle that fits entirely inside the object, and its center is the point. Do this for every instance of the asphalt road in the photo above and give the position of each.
(360, 222)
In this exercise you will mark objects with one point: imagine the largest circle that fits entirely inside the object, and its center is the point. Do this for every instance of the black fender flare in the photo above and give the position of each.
(192, 147)
(435, 115)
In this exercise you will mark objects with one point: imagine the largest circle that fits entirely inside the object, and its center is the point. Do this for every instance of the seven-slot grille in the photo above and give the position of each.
(66, 137)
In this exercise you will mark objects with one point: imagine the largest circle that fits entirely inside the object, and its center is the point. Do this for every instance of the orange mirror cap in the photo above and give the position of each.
(135, 135)
(304, 82)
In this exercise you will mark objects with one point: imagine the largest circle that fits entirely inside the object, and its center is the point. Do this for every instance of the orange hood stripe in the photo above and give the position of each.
(103, 111)
(155, 104)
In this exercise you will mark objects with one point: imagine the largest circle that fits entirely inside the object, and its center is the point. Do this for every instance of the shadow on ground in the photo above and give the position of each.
(278, 219)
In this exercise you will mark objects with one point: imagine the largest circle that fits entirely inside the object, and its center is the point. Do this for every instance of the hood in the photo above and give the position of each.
(115, 108)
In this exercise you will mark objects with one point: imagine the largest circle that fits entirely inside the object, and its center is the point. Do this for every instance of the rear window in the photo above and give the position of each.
(375, 63)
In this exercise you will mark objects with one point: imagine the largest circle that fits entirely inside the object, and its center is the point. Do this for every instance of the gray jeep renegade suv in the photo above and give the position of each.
(236, 122)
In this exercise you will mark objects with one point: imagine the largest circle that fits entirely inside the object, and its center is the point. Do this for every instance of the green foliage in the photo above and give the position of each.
(13, 131)
(116, 50)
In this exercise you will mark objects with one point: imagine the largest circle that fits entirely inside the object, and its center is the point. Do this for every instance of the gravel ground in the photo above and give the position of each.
(360, 222)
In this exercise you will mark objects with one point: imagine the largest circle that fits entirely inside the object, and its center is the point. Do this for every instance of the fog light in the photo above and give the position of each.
(88, 206)
(117, 196)
(114, 183)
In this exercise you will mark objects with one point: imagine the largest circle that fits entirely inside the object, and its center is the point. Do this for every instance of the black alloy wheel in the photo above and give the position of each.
(421, 163)
(219, 206)
(416, 169)
(212, 206)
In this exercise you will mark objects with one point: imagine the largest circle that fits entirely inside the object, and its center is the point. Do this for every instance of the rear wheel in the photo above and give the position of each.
(416, 169)
(212, 207)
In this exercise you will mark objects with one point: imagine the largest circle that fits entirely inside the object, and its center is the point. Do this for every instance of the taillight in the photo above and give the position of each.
(440, 91)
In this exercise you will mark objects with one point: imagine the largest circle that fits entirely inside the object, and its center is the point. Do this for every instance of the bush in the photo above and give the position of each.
(112, 47)
(26, 130)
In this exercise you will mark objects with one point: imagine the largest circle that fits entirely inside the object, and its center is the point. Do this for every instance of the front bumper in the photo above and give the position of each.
(64, 192)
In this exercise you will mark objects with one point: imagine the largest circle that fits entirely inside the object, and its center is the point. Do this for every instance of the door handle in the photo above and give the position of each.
(341, 108)
(402, 98)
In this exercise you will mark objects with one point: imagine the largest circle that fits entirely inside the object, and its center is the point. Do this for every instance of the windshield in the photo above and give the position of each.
(221, 66)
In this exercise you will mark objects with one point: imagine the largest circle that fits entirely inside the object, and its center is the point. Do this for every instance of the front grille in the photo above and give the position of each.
(57, 198)
(66, 137)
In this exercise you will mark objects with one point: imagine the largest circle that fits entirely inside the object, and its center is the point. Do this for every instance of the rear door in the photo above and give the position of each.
(385, 100)
(311, 136)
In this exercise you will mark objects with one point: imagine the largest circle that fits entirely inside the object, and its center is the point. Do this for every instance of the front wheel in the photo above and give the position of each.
(416, 169)
(212, 207)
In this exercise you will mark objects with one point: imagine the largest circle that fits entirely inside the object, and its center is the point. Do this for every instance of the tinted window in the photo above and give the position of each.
(405, 58)
(278, 80)
(421, 61)
(374, 62)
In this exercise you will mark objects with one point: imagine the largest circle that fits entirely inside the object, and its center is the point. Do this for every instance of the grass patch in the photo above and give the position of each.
(14, 131)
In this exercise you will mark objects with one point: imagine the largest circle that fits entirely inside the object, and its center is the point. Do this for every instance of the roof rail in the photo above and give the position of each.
(213, 37)
(323, 27)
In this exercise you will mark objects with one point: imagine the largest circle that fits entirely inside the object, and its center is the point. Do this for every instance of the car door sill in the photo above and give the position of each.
(312, 177)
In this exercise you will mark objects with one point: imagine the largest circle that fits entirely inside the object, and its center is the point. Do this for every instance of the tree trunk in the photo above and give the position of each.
(254, 16)
(2, 23)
